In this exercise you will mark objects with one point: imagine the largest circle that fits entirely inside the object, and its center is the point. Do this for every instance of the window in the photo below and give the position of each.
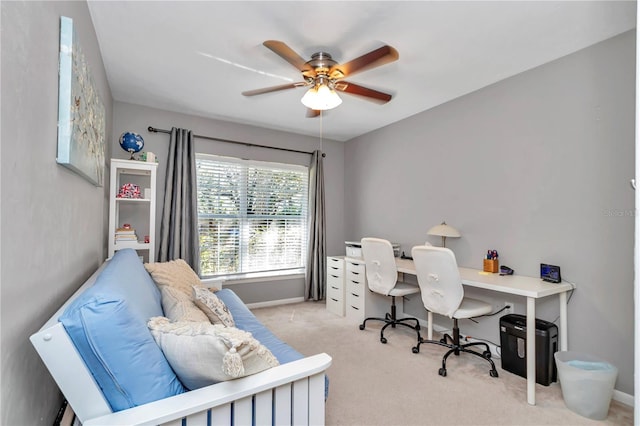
(252, 216)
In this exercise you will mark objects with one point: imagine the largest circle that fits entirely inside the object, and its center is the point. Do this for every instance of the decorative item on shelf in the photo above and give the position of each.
(129, 190)
(131, 142)
(443, 230)
(126, 233)
(148, 157)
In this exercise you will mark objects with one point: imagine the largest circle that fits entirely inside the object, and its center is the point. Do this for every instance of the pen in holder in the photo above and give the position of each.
(490, 265)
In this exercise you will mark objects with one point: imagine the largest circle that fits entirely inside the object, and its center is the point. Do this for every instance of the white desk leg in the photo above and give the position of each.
(531, 350)
(430, 326)
(564, 345)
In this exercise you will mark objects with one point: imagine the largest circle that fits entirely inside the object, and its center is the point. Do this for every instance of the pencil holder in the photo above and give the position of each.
(490, 265)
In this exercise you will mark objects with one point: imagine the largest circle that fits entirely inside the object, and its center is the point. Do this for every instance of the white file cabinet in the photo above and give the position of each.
(356, 285)
(360, 302)
(335, 285)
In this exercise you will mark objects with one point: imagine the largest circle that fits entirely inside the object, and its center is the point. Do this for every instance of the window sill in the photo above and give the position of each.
(228, 280)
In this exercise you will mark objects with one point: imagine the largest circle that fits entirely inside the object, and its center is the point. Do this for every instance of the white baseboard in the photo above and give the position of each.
(623, 398)
(275, 302)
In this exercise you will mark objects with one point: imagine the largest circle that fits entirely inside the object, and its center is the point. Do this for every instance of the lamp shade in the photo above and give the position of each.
(321, 97)
(444, 230)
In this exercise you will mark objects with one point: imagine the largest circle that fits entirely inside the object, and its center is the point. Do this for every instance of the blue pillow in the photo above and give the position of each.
(108, 325)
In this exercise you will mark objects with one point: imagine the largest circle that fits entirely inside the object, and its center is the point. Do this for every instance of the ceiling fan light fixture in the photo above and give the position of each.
(321, 97)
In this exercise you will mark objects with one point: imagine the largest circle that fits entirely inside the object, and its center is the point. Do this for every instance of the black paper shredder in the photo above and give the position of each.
(513, 342)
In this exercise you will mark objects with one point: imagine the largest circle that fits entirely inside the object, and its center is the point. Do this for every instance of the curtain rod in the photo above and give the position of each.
(155, 130)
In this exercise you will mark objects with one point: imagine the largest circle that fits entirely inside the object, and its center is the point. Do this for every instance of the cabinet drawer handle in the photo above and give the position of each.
(335, 300)
(334, 276)
(355, 295)
(333, 267)
(355, 282)
(357, 309)
(335, 288)
(355, 273)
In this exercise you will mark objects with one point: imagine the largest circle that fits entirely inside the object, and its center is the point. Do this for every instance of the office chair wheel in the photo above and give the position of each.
(383, 340)
(493, 373)
(486, 354)
(442, 372)
(361, 326)
(415, 349)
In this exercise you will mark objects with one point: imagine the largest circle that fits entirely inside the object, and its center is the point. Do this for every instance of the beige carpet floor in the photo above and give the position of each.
(376, 384)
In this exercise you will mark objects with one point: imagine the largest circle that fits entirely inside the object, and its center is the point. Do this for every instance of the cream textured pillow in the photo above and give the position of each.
(174, 273)
(177, 306)
(212, 306)
(203, 353)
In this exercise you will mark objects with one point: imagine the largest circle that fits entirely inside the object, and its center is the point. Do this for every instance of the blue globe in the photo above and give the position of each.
(131, 142)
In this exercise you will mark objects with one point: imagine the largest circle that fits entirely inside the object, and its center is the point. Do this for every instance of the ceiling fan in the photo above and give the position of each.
(324, 76)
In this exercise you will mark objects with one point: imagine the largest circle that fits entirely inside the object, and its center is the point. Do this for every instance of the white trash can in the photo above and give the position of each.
(586, 382)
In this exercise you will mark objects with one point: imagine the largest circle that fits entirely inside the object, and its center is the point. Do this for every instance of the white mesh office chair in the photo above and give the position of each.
(382, 278)
(442, 293)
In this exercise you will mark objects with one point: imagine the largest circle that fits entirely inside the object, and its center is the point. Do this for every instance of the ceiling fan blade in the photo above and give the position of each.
(365, 92)
(380, 56)
(289, 55)
(311, 113)
(273, 88)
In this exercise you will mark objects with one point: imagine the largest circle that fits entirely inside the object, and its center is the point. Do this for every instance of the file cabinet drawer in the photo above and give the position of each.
(354, 307)
(355, 268)
(335, 265)
(355, 299)
(335, 286)
(335, 291)
(335, 281)
(335, 305)
(355, 287)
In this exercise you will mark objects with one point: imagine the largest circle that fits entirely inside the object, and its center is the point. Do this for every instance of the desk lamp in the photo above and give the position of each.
(443, 230)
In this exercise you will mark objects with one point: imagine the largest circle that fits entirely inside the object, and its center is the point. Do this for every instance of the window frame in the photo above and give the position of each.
(245, 219)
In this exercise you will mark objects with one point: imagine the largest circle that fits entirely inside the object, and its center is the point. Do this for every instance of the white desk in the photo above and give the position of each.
(531, 288)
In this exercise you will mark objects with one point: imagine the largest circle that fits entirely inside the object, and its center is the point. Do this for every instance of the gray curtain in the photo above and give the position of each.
(315, 276)
(179, 225)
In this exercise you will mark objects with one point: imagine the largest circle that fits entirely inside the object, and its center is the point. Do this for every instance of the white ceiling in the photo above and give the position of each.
(197, 57)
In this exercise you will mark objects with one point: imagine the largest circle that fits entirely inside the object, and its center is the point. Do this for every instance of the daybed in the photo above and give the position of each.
(102, 355)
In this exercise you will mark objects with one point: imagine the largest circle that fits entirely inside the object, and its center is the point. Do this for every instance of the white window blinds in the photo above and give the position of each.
(252, 216)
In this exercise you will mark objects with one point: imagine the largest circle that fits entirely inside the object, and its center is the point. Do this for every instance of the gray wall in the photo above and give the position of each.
(537, 167)
(128, 117)
(53, 221)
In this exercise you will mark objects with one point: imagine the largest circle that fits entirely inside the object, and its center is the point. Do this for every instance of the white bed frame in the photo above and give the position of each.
(289, 394)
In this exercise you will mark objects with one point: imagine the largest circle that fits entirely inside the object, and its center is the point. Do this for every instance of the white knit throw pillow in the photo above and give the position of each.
(202, 353)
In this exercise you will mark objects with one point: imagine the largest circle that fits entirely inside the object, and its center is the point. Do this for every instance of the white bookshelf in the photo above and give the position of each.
(140, 213)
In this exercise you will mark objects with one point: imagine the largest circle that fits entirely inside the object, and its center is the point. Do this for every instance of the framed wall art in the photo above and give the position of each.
(81, 115)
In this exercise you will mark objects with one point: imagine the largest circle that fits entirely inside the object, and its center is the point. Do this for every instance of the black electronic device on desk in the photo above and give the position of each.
(505, 270)
(406, 257)
(550, 273)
